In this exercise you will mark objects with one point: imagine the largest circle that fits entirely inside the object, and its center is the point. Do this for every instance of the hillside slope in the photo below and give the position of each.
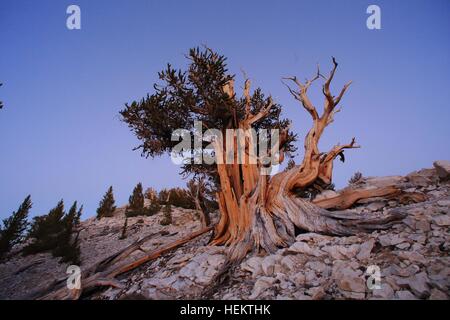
(412, 257)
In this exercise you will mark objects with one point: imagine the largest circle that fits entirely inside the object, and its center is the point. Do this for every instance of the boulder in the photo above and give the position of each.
(269, 264)
(385, 292)
(302, 247)
(418, 180)
(299, 279)
(289, 263)
(444, 203)
(349, 280)
(412, 256)
(404, 295)
(442, 169)
(253, 265)
(438, 295)
(316, 293)
(409, 271)
(376, 206)
(390, 239)
(341, 252)
(423, 225)
(365, 250)
(318, 267)
(418, 284)
(262, 284)
(441, 220)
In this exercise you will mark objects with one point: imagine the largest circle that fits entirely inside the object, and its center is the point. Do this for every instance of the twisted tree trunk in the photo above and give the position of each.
(261, 212)
(196, 190)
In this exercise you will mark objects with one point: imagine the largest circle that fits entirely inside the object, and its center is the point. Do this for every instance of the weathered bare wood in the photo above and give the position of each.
(107, 277)
(262, 212)
(156, 253)
(120, 255)
(346, 199)
(196, 190)
(29, 266)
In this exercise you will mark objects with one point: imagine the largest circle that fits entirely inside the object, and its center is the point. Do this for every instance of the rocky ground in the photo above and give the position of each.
(408, 261)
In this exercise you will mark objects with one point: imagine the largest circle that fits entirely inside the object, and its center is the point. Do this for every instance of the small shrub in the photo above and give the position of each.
(356, 178)
(167, 219)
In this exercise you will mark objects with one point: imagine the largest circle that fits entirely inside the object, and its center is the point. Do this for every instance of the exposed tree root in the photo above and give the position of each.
(346, 199)
(261, 212)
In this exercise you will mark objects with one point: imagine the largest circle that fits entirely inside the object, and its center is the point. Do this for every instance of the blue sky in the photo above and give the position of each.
(60, 134)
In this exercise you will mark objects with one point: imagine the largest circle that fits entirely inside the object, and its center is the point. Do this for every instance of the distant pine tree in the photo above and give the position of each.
(151, 194)
(136, 202)
(106, 206)
(53, 232)
(45, 229)
(14, 227)
(178, 197)
(66, 248)
(152, 209)
(167, 219)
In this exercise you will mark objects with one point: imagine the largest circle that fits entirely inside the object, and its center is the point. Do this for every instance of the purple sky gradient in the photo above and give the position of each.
(60, 134)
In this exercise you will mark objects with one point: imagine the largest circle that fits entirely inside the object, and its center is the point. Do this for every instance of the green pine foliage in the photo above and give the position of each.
(54, 232)
(14, 227)
(136, 202)
(167, 219)
(66, 248)
(106, 206)
(356, 178)
(152, 209)
(177, 197)
(44, 230)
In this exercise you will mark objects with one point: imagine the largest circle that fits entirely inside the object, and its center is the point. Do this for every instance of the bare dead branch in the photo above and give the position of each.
(262, 113)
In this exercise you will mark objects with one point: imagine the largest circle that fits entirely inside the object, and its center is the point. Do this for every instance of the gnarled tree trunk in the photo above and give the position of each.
(259, 211)
(196, 190)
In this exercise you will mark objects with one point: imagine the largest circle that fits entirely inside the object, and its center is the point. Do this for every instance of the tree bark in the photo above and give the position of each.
(262, 212)
(346, 199)
(196, 190)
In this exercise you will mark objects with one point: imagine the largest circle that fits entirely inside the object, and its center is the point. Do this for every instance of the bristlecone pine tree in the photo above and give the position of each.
(136, 202)
(257, 211)
(14, 227)
(106, 206)
(67, 247)
(151, 194)
(54, 232)
(178, 197)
